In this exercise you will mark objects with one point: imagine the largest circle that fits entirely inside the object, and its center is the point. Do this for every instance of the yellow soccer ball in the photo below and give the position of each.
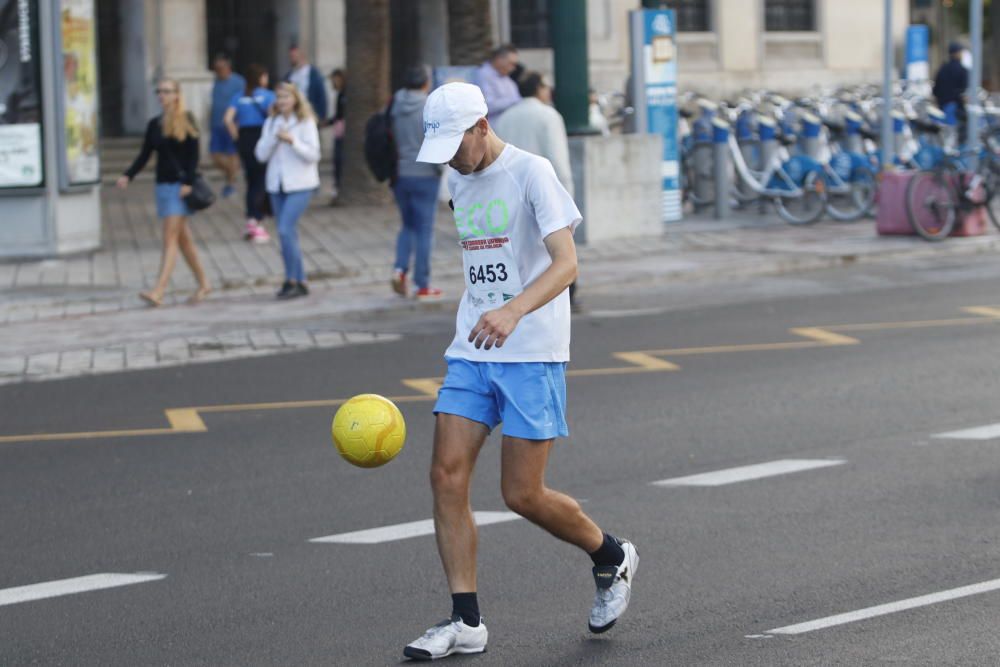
(368, 430)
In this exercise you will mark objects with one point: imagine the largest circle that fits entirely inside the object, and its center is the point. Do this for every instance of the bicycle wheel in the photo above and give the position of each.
(858, 199)
(931, 205)
(806, 208)
(991, 183)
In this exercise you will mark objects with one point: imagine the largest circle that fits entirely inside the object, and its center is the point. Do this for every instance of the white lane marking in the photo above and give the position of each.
(988, 432)
(402, 531)
(890, 608)
(633, 312)
(92, 582)
(744, 473)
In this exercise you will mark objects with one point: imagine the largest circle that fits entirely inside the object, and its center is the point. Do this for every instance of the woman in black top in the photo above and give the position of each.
(174, 136)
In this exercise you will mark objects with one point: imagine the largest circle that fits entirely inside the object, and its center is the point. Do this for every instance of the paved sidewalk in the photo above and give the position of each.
(81, 315)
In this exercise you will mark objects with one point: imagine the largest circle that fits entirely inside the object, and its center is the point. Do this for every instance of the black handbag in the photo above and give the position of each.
(201, 196)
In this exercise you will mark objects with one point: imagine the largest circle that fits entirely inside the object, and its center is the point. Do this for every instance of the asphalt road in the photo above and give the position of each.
(894, 514)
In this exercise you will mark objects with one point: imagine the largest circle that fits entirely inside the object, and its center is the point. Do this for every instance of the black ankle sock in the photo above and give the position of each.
(609, 553)
(466, 606)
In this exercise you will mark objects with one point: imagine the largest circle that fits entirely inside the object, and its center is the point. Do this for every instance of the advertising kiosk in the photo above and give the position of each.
(49, 164)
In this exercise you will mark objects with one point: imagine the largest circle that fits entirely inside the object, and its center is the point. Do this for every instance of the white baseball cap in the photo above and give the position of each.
(448, 113)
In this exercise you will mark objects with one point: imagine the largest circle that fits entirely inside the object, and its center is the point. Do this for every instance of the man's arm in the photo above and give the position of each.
(495, 326)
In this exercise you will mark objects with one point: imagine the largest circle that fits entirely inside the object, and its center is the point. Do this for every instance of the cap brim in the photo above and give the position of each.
(438, 150)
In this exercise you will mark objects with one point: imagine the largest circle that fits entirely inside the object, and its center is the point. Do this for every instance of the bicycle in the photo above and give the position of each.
(936, 197)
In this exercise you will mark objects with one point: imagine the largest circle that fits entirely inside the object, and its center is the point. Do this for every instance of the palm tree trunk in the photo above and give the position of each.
(367, 25)
(470, 31)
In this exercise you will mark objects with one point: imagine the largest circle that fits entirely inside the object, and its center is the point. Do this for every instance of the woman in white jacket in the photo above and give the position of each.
(289, 143)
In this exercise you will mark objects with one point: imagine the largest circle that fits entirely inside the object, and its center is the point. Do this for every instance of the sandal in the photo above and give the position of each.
(151, 299)
(199, 295)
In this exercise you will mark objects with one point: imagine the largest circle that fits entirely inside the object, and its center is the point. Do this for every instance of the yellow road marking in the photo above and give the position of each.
(188, 420)
(185, 420)
(646, 362)
(427, 386)
(985, 311)
(824, 336)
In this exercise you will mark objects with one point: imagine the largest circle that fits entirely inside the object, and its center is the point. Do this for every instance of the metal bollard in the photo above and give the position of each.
(852, 128)
(702, 132)
(811, 126)
(720, 143)
(898, 132)
(751, 153)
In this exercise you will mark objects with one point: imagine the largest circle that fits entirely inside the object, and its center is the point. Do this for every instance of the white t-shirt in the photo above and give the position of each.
(503, 213)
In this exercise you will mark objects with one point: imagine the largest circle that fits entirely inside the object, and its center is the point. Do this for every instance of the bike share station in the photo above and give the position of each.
(49, 165)
(818, 156)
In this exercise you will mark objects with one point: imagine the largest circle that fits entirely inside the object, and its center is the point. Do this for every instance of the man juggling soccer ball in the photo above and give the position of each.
(507, 362)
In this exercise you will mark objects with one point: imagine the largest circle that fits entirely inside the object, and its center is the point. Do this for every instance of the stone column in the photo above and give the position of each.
(184, 48)
(738, 25)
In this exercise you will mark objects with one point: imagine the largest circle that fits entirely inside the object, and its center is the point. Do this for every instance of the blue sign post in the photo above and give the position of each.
(654, 94)
(918, 41)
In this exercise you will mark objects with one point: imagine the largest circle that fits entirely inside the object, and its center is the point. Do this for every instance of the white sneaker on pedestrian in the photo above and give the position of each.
(614, 588)
(447, 637)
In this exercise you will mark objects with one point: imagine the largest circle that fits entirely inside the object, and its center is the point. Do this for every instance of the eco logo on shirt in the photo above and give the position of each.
(478, 220)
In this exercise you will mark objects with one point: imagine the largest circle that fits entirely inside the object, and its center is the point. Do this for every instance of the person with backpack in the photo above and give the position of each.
(174, 136)
(244, 118)
(415, 187)
(289, 144)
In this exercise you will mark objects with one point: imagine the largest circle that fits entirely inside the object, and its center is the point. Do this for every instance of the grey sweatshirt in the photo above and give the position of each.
(408, 130)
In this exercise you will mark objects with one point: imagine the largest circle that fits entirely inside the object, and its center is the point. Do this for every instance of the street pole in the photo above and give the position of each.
(568, 26)
(887, 66)
(976, 75)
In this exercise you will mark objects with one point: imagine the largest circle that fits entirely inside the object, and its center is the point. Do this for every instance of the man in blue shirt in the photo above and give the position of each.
(227, 84)
(493, 77)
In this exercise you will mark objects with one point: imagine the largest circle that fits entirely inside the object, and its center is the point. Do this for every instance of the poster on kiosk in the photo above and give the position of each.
(20, 96)
(654, 94)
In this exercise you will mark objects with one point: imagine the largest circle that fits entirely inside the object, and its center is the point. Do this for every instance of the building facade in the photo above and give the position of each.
(723, 45)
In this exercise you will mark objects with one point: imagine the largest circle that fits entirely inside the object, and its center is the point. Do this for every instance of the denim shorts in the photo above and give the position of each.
(528, 397)
(222, 142)
(168, 200)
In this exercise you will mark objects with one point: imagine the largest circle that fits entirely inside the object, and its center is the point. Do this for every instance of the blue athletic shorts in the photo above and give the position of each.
(528, 397)
(221, 142)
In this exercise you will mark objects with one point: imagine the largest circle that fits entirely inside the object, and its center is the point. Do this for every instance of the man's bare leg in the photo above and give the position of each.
(457, 442)
(522, 481)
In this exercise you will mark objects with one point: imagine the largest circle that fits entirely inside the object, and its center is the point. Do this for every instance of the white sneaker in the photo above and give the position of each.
(447, 637)
(614, 588)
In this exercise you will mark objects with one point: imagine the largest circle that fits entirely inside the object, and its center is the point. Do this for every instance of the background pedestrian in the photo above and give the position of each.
(174, 136)
(244, 118)
(308, 79)
(535, 126)
(227, 85)
(289, 144)
(338, 80)
(950, 84)
(493, 78)
(415, 189)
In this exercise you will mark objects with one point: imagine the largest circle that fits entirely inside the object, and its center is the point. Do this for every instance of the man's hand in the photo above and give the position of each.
(494, 328)
(122, 182)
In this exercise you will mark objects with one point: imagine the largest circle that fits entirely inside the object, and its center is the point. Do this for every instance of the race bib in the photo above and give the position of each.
(491, 276)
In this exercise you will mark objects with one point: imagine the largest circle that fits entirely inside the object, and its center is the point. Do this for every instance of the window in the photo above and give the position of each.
(529, 24)
(692, 15)
(789, 15)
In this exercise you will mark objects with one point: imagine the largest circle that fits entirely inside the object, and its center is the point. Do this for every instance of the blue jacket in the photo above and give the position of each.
(316, 93)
